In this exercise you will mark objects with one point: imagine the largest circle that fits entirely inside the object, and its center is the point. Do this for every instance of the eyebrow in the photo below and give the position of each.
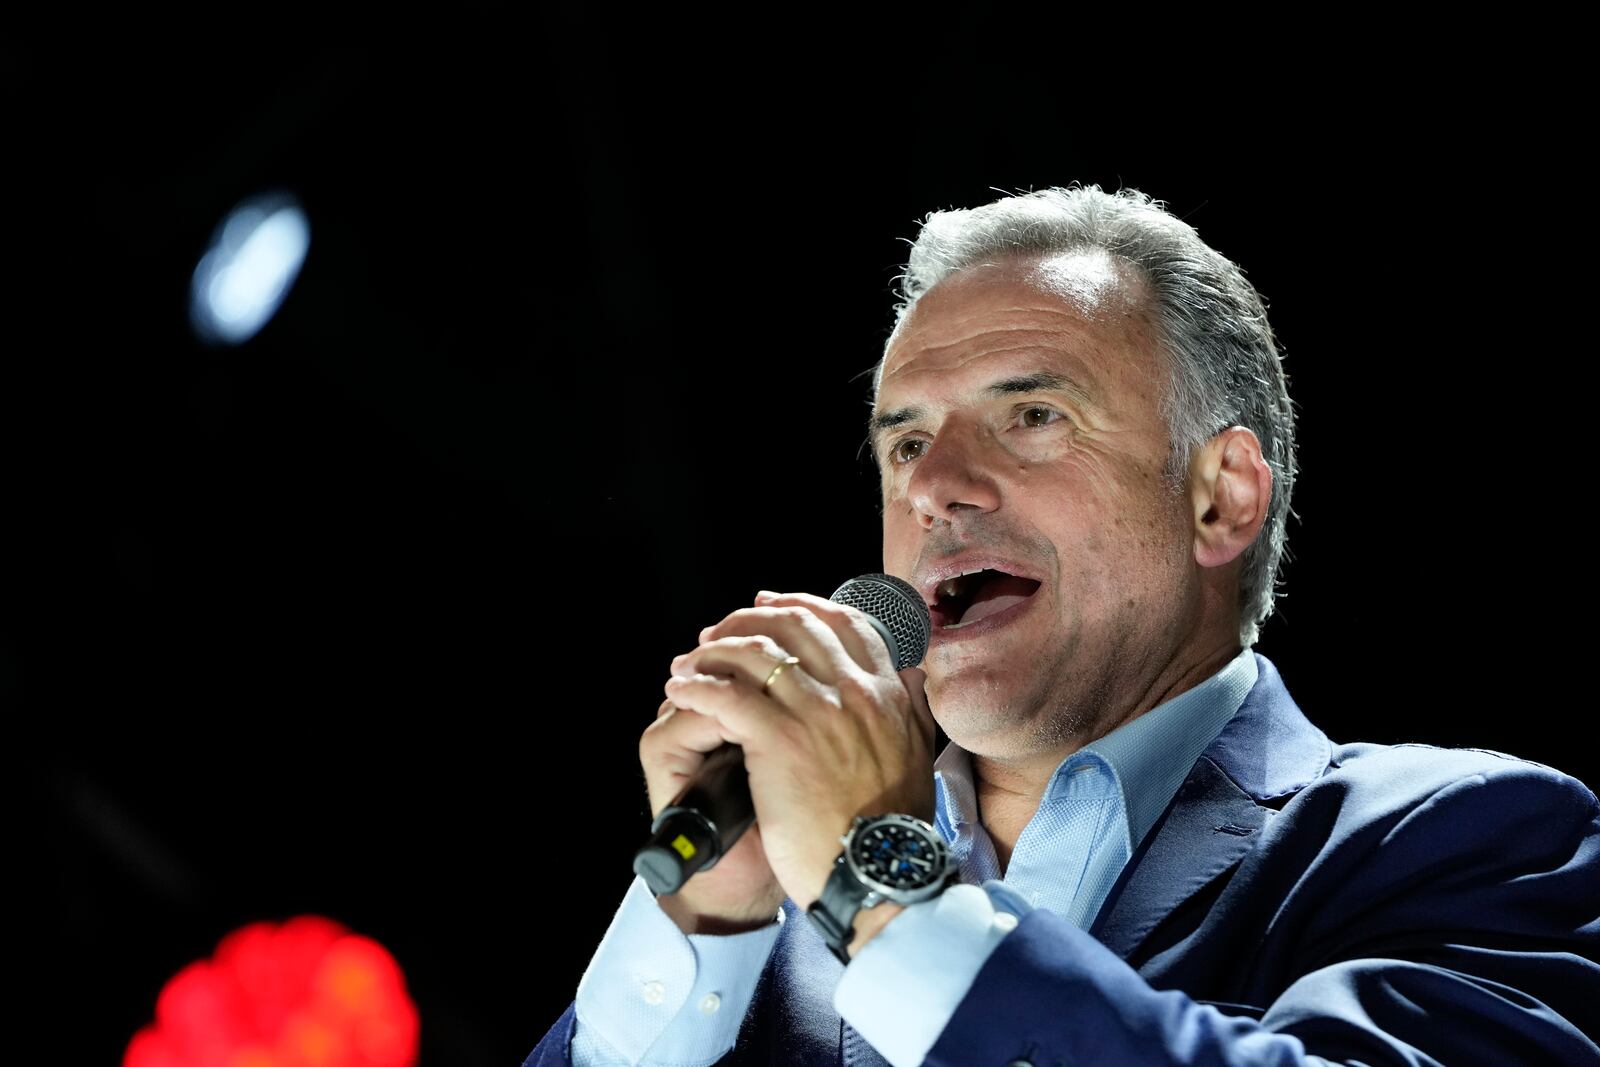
(1037, 382)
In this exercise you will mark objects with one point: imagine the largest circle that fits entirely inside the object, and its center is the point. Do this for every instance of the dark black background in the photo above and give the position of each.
(364, 618)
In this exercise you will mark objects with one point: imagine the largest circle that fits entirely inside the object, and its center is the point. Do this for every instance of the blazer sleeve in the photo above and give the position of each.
(1457, 927)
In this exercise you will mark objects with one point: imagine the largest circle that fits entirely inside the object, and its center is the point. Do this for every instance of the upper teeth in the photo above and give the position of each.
(949, 586)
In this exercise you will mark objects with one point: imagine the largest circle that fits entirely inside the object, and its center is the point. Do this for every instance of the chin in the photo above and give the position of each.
(971, 695)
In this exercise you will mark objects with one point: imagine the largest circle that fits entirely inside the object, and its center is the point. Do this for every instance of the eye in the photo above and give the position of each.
(1034, 416)
(907, 449)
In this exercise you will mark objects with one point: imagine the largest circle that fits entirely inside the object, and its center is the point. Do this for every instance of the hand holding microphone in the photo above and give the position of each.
(842, 727)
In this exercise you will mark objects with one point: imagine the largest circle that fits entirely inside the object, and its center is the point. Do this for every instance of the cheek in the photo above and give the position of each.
(1106, 508)
(900, 537)
(1071, 497)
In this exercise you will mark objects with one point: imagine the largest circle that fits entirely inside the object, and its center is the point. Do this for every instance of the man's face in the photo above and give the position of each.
(1018, 432)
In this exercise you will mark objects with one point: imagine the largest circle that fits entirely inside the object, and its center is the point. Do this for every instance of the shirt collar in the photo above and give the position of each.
(1149, 757)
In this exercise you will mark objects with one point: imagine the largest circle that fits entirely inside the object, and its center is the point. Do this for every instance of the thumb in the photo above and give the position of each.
(916, 681)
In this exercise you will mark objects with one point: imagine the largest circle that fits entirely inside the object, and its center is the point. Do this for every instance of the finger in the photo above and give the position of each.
(794, 627)
(672, 749)
(855, 632)
(751, 659)
(748, 717)
(681, 731)
(761, 665)
(916, 681)
(758, 662)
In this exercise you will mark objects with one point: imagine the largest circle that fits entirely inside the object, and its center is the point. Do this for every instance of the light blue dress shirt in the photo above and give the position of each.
(652, 996)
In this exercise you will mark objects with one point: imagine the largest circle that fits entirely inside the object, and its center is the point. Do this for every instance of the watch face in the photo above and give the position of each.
(895, 856)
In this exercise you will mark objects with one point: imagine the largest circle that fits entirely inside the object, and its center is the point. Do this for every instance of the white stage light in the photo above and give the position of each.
(253, 261)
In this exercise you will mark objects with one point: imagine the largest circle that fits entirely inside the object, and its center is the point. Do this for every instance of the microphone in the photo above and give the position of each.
(704, 820)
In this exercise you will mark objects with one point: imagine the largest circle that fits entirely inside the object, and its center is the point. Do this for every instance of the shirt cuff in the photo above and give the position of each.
(651, 989)
(902, 989)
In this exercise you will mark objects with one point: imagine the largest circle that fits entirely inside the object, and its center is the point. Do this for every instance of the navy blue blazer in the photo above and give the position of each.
(1297, 902)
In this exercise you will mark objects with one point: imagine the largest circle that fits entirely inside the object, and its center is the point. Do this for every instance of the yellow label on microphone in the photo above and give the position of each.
(684, 846)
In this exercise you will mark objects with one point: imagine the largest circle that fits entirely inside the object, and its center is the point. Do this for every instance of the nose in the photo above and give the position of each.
(952, 479)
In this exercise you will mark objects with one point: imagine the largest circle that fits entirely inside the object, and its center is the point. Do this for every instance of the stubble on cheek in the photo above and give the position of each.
(1067, 725)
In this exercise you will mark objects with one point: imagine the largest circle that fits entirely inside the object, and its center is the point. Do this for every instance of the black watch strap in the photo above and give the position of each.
(834, 912)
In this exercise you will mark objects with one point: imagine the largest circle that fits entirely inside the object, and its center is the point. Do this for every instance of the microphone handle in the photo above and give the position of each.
(700, 825)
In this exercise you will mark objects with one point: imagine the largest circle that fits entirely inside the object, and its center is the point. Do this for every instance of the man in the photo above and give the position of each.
(1086, 449)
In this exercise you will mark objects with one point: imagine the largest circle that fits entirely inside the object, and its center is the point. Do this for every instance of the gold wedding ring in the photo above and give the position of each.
(792, 661)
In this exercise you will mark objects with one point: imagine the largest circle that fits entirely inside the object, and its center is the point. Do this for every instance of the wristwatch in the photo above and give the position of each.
(898, 858)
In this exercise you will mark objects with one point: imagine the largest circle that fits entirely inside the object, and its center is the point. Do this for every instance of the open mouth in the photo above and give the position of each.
(970, 598)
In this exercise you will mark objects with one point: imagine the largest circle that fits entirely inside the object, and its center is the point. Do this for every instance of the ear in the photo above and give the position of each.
(1230, 487)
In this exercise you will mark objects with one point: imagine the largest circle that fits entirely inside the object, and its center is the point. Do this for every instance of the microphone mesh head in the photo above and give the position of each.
(898, 606)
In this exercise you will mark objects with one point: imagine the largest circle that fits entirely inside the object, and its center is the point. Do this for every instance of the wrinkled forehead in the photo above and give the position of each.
(1091, 288)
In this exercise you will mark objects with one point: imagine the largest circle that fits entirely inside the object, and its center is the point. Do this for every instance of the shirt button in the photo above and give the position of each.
(710, 1003)
(1020, 1063)
(1004, 920)
(654, 992)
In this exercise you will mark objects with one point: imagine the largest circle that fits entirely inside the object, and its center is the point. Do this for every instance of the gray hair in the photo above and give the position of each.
(1223, 362)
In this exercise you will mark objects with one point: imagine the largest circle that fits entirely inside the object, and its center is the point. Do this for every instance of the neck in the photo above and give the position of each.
(1009, 789)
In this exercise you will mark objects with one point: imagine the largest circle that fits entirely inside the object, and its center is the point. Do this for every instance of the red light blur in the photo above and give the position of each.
(306, 993)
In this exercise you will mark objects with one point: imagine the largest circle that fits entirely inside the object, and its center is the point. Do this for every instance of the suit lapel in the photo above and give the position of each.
(1267, 752)
(856, 1052)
